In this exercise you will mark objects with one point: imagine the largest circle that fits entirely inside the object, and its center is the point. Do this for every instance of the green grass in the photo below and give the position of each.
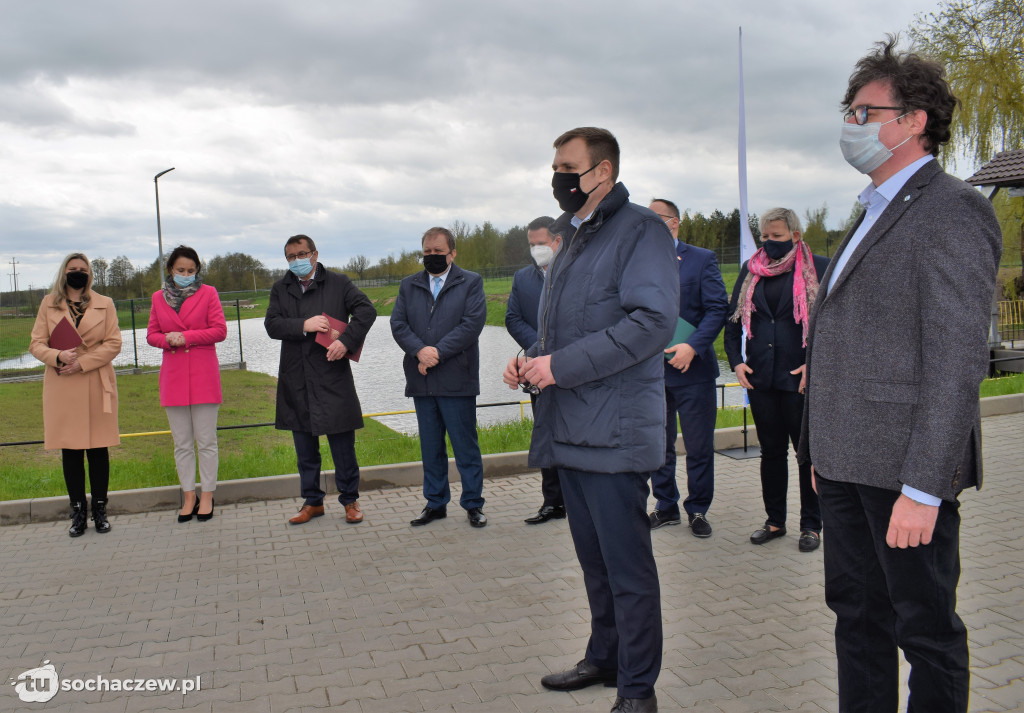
(147, 461)
(15, 334)
(1003, 385)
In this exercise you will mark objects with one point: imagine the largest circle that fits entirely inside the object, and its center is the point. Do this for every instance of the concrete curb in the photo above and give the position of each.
(277, 487)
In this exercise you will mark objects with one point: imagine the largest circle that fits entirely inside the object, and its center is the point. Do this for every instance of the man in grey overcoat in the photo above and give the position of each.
(896, 351)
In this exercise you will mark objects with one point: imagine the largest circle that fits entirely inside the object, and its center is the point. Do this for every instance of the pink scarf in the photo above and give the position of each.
(805, 284)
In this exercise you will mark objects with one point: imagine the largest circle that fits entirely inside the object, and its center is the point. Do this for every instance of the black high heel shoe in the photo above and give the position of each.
(186, 518)
(203, 518)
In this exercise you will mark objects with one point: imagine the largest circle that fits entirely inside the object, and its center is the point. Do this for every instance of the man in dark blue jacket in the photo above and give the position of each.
(437, 320)
(521, 322)
(690, 372)
(608, 310)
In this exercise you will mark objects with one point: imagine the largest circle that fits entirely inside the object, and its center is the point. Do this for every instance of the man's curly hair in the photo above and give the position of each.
(914, 82)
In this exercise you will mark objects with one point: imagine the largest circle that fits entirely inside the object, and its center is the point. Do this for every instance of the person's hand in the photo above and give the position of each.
(318, 323)
(814, 480)
(176, 339)
(741, 375)
(683, 354)
(428, 356)
(336, 351)
(72, 368)
(68, 356)
(538, 372)
(422, 368)
(511, 373)
(802, 371)
(911, 524)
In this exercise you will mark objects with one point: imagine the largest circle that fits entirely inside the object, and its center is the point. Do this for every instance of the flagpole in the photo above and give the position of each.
(747, 245)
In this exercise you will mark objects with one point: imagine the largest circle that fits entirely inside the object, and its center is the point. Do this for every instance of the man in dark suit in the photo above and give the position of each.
(690, 372)
(897, 348)
(521, 322)
(437, 320)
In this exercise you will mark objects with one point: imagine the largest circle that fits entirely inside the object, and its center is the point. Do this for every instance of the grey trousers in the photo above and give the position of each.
(196, 423)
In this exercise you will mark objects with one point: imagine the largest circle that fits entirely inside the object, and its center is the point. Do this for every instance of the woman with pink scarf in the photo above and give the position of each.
(766, 342)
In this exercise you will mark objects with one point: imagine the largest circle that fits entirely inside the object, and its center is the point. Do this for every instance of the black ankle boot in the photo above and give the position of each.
(99, 515)
(79, 519)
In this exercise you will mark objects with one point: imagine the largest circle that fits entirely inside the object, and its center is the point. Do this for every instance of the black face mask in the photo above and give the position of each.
(435, 264)
(777, 249)
(77, 280)
(566, 189)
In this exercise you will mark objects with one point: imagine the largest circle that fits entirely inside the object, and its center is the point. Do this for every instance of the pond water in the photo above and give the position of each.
(378, 375)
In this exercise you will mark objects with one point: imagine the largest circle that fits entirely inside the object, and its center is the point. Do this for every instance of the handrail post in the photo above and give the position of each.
(135, 345)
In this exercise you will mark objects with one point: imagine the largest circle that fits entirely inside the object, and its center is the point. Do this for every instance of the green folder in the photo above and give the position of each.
(683, 331)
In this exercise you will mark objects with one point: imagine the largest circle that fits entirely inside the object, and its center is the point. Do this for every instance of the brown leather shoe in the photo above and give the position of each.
(353, 514)
(307, 513)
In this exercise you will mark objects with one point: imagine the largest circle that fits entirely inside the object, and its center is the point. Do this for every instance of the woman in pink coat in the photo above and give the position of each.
(186, 320)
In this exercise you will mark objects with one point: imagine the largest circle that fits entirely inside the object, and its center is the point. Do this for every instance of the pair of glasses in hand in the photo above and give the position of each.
(527, 387)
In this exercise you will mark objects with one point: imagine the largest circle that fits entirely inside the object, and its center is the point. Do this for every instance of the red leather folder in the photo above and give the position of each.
(64, 336)
(337, 328)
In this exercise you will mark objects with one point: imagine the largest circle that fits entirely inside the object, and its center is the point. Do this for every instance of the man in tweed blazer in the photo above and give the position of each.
(897, 348)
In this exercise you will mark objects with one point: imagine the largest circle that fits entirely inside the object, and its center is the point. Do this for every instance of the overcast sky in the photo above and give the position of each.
(362, 124)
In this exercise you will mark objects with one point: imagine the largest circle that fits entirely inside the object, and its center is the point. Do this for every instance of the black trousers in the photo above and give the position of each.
(73, 463)
(550, 485)
(612, 534)
(777, 417)
(886, 598)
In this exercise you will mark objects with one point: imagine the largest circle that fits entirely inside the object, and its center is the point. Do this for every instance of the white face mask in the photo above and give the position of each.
(541, 254)
(862, 148)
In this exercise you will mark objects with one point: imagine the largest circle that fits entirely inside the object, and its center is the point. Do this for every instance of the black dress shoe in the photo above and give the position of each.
(766, 533)
(809, 541)
(429, 515)
(635, 705)
(476, 517)
(579, 676)
(548, 512)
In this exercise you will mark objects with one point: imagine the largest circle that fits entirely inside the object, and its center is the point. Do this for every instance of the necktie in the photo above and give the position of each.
(437, 286)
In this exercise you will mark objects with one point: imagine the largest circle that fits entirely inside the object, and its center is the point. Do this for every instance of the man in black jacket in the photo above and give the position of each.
(437, 321)
(315, 391)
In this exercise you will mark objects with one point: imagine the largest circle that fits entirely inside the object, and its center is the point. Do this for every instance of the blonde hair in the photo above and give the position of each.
(60, 282)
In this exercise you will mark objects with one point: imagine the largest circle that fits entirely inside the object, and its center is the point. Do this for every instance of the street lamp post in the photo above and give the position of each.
(159, 234)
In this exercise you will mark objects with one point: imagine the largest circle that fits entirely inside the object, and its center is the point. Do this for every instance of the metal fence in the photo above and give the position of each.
(133, 316)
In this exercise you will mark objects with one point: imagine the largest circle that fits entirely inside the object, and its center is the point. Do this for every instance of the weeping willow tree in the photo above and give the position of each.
(981, 44)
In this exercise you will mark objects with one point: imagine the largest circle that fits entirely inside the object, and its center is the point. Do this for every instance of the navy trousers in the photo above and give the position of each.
(346, 468)
(886, 598)
(696, 408)
(456, 416)
(612, 534)
(777, 416)
(550, 485)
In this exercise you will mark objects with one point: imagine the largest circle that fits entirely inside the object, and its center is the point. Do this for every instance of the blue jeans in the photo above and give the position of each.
(697, 410)
(456, 416)
(346, 469)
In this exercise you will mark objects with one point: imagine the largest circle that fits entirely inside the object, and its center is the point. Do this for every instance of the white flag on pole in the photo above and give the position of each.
(747, 245)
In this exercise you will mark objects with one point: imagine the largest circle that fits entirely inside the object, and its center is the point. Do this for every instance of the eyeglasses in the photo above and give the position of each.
(527, 387)
(666, 218)
(860, 113)
(299, 256)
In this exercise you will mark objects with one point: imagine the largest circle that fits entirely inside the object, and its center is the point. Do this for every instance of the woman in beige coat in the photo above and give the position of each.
(79, 390)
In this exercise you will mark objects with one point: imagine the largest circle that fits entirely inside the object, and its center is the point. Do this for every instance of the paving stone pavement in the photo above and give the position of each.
(384, 617)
